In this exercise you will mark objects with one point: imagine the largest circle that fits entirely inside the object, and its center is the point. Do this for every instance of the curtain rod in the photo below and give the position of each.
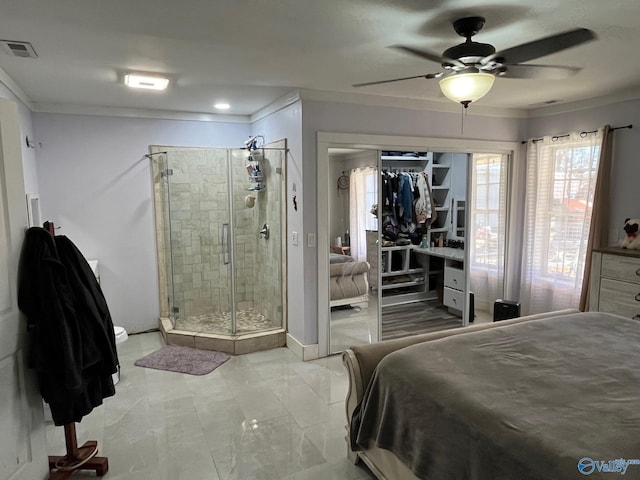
(582, 134)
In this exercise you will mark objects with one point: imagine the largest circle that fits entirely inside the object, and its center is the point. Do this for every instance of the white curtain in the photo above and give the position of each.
(363, 194)
(488, 209)
(561, 177)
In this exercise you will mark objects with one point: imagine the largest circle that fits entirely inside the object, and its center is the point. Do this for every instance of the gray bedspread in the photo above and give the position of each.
(520, 402)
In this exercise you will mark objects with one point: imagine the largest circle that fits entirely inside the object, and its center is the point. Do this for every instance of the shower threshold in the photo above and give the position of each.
(233, 344)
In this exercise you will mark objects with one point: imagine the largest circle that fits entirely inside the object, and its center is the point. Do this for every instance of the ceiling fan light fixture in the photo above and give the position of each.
(466, 88)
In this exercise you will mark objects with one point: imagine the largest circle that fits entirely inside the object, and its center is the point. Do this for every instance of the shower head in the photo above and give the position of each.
(252, 142)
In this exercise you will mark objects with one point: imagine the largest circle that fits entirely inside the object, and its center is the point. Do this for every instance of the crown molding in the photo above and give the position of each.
(74, 109)
(602, 101)
(278, 104)
(13, 87)
(409, 103)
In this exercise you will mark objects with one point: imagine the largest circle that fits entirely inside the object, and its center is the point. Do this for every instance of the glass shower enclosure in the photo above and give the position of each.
(219, 229)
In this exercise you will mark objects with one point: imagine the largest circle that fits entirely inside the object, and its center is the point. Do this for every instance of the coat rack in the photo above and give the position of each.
(77, 458)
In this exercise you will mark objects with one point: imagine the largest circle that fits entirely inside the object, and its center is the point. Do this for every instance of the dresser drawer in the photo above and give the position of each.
(454, 278)
(619, 298)
(453, 298)
(621, 267)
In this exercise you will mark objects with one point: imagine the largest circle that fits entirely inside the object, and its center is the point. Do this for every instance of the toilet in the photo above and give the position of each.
(119, 332)
(121, 337)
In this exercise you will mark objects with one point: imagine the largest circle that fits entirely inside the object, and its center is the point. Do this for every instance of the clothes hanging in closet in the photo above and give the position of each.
(408, 206)
(71, 337)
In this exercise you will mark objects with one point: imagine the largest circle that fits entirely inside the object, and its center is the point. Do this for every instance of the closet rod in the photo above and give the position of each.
(582, 134)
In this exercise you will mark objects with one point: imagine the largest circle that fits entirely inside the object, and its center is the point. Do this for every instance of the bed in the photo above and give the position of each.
(531, 398)
(348, 279)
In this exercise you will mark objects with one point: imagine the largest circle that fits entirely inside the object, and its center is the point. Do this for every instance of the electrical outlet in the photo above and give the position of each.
(294, 238)
(311, 240)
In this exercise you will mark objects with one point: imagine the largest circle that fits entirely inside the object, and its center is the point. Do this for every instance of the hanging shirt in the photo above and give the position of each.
(423, 207)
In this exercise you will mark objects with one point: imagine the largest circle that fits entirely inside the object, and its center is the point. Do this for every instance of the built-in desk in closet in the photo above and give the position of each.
(409, 273)
(452, 274)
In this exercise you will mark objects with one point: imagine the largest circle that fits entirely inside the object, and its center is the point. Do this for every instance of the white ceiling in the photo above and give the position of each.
(251, 52)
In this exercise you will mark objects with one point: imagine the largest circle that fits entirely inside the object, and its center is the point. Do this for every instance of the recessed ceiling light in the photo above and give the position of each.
(222, 106)
(146, 81)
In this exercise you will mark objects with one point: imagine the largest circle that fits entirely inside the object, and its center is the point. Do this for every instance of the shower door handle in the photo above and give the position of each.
(226, 239)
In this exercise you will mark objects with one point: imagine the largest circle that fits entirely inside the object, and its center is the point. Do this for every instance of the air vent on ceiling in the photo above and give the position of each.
(18, 49)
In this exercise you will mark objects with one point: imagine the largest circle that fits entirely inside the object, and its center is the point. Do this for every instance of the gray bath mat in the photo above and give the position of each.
(175, 358)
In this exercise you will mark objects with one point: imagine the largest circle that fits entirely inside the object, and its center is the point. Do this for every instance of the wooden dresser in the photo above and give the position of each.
(615, 282)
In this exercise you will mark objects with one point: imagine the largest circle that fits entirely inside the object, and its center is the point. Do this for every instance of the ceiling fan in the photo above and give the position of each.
(470, 68)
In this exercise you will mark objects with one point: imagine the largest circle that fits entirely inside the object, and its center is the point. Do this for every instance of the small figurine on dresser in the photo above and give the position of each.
(632, 237)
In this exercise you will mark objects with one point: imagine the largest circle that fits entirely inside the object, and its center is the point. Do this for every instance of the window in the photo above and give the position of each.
(574, 179)
(363, 194)
(488, 207)
(561, 178)
(487, 239)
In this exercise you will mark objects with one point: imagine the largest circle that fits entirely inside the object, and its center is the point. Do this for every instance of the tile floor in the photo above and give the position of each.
(263, 416)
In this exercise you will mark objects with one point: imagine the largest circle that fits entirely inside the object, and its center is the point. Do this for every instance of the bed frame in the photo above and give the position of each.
(361, 362)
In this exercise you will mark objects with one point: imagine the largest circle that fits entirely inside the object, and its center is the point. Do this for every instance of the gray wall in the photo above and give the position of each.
(100, 192)
(287, 124)
(96, 185)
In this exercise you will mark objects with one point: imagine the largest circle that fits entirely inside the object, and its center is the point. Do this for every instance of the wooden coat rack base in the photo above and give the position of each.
(77, 458)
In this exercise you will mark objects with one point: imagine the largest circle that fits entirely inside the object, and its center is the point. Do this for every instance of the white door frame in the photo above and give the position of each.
(23, 453)
(326, 140)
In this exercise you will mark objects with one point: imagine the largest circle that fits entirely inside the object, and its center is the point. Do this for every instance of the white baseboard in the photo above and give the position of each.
(304, 352)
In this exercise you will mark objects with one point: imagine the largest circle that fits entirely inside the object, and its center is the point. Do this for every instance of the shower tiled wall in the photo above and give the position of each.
(268, 290)
(199, 204)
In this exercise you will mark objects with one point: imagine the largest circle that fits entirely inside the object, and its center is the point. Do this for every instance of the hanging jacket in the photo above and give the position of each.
(405, 197)
(71, 340)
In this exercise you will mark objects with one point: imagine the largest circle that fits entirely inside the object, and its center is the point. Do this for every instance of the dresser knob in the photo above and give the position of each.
(638, 297)
(636, 317)
(638, 272)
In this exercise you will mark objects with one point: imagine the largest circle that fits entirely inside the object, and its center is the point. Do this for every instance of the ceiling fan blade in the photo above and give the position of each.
(542, 72)
(428, 55)
(541, 47)
(427, 75)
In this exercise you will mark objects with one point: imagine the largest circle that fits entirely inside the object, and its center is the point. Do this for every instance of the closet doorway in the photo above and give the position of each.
(421, 277)
(423, 214)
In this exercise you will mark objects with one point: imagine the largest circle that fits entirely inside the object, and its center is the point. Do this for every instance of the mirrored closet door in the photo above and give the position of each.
(417, 242)
(354, 310)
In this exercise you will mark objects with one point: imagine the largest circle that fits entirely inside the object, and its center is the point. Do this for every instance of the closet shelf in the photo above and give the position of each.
(402, 285)
(396, 248)
(395, 273)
